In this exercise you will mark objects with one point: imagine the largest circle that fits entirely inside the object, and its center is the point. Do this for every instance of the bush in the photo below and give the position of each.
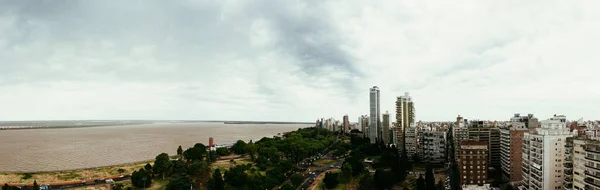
(331, 180)
(297, 179)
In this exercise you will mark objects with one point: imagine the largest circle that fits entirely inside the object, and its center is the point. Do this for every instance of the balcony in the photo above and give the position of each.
(590, 181)
(536, 184)
(568, 172)
(592, 166)
(592, 158)
(596, 176)
(568, 185)
(592, 149)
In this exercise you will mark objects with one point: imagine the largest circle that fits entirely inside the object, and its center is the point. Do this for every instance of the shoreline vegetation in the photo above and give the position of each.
(264, 164)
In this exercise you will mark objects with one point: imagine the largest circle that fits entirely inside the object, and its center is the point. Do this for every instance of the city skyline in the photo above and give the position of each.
(282, 61)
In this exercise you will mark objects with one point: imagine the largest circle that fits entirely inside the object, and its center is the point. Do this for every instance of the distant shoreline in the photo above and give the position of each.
(24, 125)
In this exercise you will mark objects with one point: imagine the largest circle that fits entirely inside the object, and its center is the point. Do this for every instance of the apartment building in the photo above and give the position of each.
(543, 162)
(511, 145)
(586, 164)
(495, 148)
(472, 165)
(434, 147)
(529, 120)
(411, 141)
(374, 115)
(386, 128)
(569, 155)
(405, 115)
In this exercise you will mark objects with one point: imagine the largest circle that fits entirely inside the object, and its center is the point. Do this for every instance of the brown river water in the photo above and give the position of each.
(34, 150)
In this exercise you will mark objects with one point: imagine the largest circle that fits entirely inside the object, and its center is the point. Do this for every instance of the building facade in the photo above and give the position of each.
(511, 145)
(375, 114)
(405, 114)
(472, 165)
(346, 125)
(495, 148)
(410, 142)
(529, 120)
(543, 162)
(434, 147)
(385, 134)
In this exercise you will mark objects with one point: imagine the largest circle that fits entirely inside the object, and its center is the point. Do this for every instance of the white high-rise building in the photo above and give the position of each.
(374, 119)
(544, 156)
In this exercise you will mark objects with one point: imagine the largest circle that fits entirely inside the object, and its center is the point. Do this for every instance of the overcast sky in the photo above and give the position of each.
(297, 60)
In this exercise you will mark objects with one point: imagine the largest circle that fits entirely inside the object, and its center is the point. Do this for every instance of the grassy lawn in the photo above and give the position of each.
(226, 164)
(322, 162)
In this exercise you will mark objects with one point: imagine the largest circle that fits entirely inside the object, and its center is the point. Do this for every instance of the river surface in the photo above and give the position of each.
(74, 148)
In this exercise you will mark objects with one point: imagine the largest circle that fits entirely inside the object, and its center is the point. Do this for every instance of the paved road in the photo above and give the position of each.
(311, 177)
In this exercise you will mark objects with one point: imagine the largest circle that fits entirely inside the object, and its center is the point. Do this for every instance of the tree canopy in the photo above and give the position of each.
(162, 164)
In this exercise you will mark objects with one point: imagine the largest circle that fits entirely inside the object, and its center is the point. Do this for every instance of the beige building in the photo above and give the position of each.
(544, 155)
(386, 128)
(405, 115)
(586, 164)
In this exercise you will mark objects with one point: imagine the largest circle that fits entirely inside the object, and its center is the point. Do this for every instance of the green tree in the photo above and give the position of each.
(212, 156)
(179, 151)
(366, 183)
(6, 186)
(331, 180)
(178, 167)
(251, 149)
(179, 182)
(429, 178)
(239, 147)
(384, 179)
(162, 164)
(199, 168)
(35, 185)
(236, 176)
(217, 182)
(148, 167)
(287, 186)
(222, 151)
(420, 183)
(195, 153)
(276, 174)
(346, 172)
(297, 179)
(141, 178)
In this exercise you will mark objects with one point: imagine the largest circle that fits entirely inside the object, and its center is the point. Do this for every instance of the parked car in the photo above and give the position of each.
(109, 181)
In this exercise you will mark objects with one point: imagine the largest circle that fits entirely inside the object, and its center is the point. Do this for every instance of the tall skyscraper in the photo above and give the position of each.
(405, 115)
(374, 119)
(544, 156)
(386, 128)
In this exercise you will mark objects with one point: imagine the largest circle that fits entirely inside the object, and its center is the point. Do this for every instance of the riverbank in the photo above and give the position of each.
(69, 175)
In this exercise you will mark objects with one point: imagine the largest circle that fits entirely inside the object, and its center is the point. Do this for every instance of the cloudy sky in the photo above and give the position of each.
(297, 60)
